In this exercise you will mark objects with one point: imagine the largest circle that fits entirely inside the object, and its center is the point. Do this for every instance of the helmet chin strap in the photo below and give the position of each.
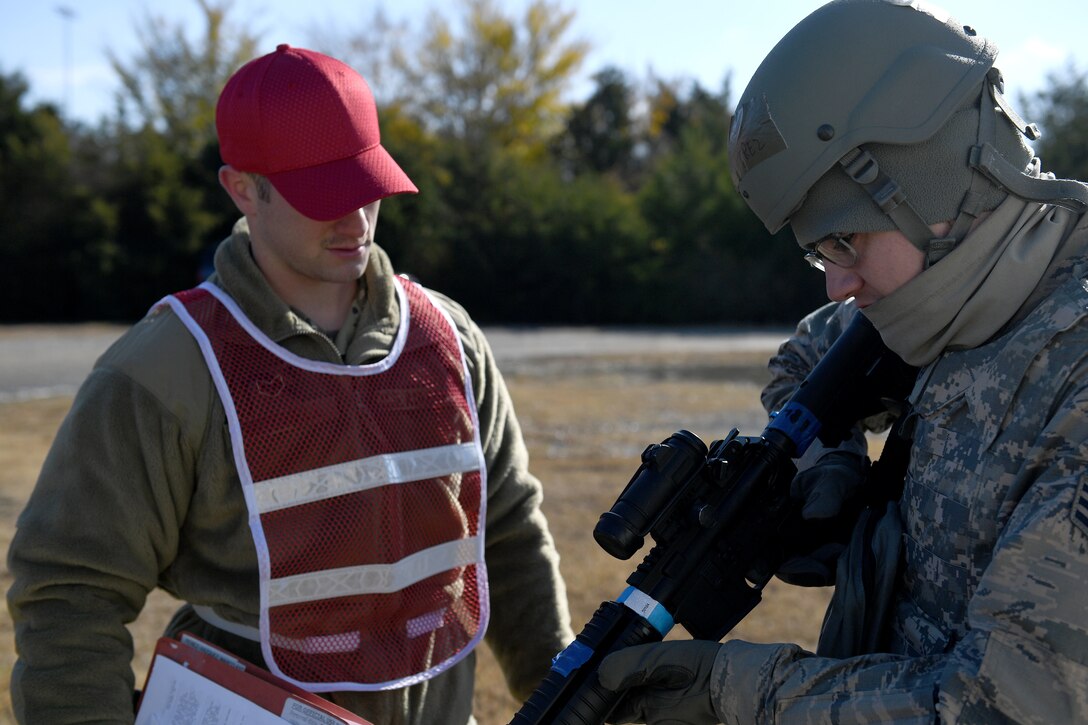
(864, 170)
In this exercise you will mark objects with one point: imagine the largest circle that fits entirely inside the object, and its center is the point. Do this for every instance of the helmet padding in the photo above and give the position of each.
(934, 174)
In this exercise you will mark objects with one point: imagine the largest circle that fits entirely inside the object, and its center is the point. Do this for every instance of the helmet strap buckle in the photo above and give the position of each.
(864, 170)
(938, 248)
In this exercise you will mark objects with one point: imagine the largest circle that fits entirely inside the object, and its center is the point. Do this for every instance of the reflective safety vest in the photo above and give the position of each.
(364, 486)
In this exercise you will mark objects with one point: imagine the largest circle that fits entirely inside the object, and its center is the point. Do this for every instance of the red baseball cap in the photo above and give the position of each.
(308, 122)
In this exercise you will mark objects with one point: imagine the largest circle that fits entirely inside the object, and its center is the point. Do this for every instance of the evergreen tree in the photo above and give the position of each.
(51, 219)
(164, 181)
(1061, 110)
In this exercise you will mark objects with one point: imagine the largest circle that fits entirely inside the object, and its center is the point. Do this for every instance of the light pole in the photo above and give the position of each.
(67, 14)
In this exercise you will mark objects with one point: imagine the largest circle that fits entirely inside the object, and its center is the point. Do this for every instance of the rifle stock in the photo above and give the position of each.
(717, 517)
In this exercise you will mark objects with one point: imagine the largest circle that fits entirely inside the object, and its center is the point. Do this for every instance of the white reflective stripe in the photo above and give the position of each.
(373, 578)
(425, 623)
(349, 641)
(321, 644)
(363, 474)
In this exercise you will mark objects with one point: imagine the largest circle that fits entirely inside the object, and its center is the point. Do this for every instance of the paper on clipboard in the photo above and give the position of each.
(178, 696)
(192, 682)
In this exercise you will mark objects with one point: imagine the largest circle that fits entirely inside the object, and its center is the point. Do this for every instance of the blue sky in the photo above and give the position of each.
(64, 57)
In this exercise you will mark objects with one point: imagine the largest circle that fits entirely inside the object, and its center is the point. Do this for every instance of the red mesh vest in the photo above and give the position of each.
(364, 488)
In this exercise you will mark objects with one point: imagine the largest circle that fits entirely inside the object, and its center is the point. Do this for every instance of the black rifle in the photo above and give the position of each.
(721, 519)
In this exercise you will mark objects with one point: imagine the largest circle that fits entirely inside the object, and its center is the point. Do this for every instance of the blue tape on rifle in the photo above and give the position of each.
(574, 656)
(649, 608)
(798, 423)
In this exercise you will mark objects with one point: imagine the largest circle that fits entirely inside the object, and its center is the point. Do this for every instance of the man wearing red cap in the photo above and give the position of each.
(318, 457)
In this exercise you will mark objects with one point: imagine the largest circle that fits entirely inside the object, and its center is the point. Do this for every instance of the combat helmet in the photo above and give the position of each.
(871, 115)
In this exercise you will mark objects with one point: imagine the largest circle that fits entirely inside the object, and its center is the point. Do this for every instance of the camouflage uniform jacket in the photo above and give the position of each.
(140, 490)
(990, 622)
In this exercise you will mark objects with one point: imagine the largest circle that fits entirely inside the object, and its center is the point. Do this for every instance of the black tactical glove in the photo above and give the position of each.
(666, 683)
(829, 483)
(825, 489)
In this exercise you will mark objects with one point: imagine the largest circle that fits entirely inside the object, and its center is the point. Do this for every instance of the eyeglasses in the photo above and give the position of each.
(834, 249)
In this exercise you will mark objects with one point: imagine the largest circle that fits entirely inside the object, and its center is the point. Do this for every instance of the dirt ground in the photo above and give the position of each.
(586, 421)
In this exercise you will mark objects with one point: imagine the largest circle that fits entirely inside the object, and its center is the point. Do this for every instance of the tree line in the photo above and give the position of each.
(614, 209)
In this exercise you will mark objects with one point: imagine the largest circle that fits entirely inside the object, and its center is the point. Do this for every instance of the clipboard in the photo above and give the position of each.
(191, 680)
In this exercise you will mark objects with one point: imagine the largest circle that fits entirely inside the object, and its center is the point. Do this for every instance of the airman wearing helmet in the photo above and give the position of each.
(878, 130)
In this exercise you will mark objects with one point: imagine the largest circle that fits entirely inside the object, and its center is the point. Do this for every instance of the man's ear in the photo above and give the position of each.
(241, 188)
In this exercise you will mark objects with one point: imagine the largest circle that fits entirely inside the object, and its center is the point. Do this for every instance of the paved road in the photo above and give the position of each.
(44, 361)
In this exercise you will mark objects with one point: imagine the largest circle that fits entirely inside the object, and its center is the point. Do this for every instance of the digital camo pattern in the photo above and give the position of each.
(991, 623)
(996, 557)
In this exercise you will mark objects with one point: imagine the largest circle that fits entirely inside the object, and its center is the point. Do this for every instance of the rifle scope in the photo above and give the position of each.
(666, 469)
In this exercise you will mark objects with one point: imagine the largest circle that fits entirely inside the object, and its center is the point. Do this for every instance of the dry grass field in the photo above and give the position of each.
(586, 421)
